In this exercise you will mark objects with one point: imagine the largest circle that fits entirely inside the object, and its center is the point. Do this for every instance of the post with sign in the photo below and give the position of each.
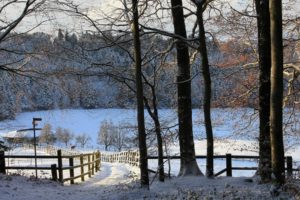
(34, 123)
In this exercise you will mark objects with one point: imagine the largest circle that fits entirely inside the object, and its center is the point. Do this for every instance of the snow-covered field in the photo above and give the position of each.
(239, 123)
(119, 181)
(225, 121)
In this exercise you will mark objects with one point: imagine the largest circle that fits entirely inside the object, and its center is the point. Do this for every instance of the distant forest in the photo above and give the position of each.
(83, 71)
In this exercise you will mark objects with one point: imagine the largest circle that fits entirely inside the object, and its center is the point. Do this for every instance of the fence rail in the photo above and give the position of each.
(91, 161)
(129, 157)
(229, 168)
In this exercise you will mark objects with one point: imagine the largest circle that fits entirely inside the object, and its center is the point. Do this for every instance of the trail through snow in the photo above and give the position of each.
(110, 178)
(110, 174)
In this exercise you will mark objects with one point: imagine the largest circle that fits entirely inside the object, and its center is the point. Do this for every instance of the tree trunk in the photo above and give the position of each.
(188, 164)
(207, 94)
(264, 51)
(155, 118)
(277, 148)
(139, 96)
(161, 172)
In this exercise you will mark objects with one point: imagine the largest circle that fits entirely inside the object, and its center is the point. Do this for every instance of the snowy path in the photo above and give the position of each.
(110, 178)
(110, 174)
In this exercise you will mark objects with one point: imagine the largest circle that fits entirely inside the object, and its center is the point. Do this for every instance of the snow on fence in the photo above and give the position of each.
(78, 166)
(129, 157)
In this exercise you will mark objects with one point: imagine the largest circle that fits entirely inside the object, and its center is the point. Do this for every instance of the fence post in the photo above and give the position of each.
(81, 168)
(89, 165)
(98, 159)
(289, 166)
(71, 164)
(228, 165)
(99, 162)
(2, 162)
(60, 166)
(54, 172)
(93, 163)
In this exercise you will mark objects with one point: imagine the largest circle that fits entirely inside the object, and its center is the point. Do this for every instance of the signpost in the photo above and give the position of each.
(34, 124)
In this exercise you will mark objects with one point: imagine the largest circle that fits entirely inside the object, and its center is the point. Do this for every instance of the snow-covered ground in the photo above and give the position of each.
(239, 123)
(119, 181)
(235, 129)
(116, 181)
(24, 188)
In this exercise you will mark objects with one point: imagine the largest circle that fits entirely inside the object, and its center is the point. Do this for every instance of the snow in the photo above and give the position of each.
(23, 188)
(15, 134)
(120, 181)
(80, 121)
(113, 182)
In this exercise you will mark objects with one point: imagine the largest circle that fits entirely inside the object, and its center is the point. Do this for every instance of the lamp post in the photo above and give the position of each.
(34, 124)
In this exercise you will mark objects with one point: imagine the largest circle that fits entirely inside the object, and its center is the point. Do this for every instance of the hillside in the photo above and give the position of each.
(77, 71)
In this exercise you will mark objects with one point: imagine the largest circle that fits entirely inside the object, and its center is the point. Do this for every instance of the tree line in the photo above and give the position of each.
(54, 76)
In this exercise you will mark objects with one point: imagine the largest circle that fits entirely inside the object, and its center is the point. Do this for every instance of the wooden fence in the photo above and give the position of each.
(129, 157)
(229, 167)
(87, 163)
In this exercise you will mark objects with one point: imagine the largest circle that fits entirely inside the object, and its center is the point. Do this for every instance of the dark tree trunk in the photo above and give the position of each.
(207, 93)
(188, 162)
(139, 96)
(264, 51)
(277, 148)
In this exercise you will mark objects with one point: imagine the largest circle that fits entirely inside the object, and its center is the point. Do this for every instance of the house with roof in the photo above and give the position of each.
(16, 137)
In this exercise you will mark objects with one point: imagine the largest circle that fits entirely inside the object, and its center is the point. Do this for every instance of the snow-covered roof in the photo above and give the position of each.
(15, 134)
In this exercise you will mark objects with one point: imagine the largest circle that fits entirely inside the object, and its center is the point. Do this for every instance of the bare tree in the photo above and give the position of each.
(10, 23)
(264, 51)
(188, 162)
(119, 138)
(201, 5)
(63, 135)
(105, 134)
(47, 135)
(82, 139)
(139, 95)
(277, 147)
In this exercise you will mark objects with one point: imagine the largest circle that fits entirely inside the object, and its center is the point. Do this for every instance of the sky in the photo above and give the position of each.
(94, 8)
